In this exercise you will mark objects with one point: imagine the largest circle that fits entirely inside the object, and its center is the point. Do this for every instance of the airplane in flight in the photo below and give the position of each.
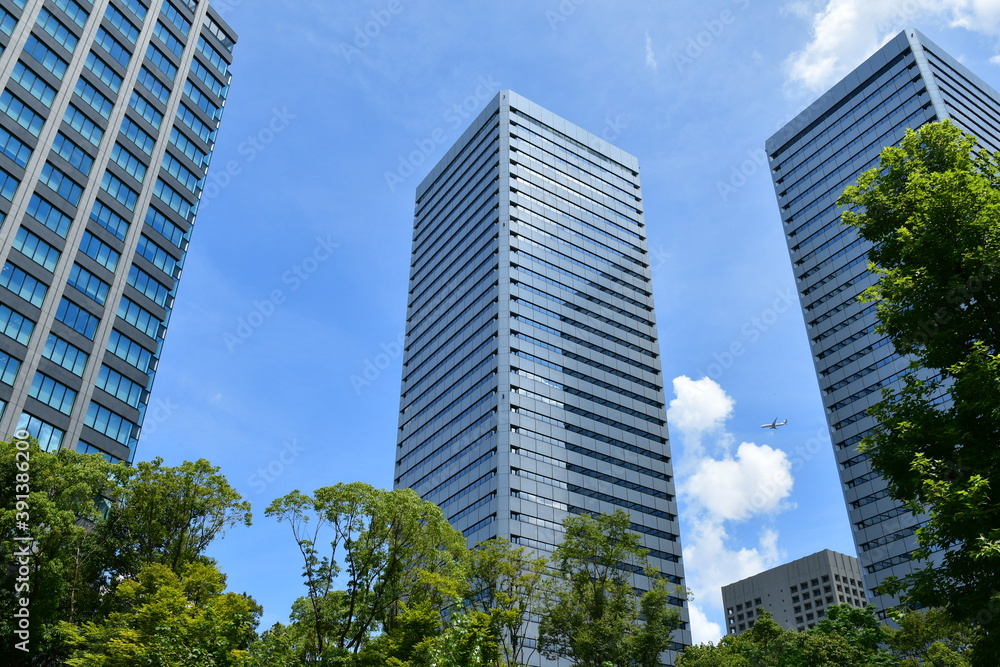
(775, 424)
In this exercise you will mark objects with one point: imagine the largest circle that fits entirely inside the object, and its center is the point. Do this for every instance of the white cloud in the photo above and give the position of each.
(846, 32)
(755, 481)
(701, 407)
(720, 490)
(712, 564)
(702, 629)
(650, 56)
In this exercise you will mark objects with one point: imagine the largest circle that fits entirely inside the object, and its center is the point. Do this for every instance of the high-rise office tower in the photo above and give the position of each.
(531, 379)
(108, 116)
(907, 83)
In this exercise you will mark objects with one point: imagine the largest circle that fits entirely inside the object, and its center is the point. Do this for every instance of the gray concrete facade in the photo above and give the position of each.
(796, 594)
(907, 83)
(532, 385)
(108, 118)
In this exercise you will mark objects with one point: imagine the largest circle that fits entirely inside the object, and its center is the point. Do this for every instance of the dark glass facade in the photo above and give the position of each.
(108, 117)
(531, 385)
(907, 83)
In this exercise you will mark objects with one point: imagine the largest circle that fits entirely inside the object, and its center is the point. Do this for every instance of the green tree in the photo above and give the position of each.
(60, 577)
(275, 647)
(856, 633)
(846, 637)
(170, 515)
(766, 644)
(170, 619)
(930, 639)
(95, 526)
(370, 556)
(932, 213)
(594, 615)
(504, 583)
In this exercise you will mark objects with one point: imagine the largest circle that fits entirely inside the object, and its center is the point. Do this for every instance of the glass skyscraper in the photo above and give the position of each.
(907, 83)
(531, 384)
(108, 116)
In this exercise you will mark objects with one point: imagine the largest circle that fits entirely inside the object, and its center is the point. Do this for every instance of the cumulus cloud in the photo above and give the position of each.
(701, 407)
(719, 489)
(711, 563)
(846, 32)
(756, 481)
(702, 629)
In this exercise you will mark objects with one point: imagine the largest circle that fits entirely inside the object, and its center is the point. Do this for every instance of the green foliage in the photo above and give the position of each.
(96, 527)
(930, 639)
(593, 612)
(932, 212)
(468, 641)
(63, 576)
(371, 560)
(170, 515)
(169, 619)
(504, 583)
(847, 637)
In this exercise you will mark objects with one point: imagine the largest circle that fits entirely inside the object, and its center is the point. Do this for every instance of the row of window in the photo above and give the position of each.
(584, 154)
(590, 453)
(471, 152)
(455, 303)
(431, 303)
(455, 462)
(451, 347)
(487, 399)
(454, 255)
(861, 100)
(544, 154)
(408, 461)
(456, 385)
(586, 295)
(452, 358)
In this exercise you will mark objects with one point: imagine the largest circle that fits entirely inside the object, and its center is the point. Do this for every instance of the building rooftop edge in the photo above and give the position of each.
(805, 118)
(514, 100)
(789, 564)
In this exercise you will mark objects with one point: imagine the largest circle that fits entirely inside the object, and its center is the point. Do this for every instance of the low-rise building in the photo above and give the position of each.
(796, 594)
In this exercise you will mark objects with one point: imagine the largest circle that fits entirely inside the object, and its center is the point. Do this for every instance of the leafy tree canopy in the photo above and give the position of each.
(168, 618)
(846, 637)
(371, 560)
(932, 213)
(95, 527)
(593, 614)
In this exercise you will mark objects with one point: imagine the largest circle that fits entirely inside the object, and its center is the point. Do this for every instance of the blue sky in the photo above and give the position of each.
(282, 362)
